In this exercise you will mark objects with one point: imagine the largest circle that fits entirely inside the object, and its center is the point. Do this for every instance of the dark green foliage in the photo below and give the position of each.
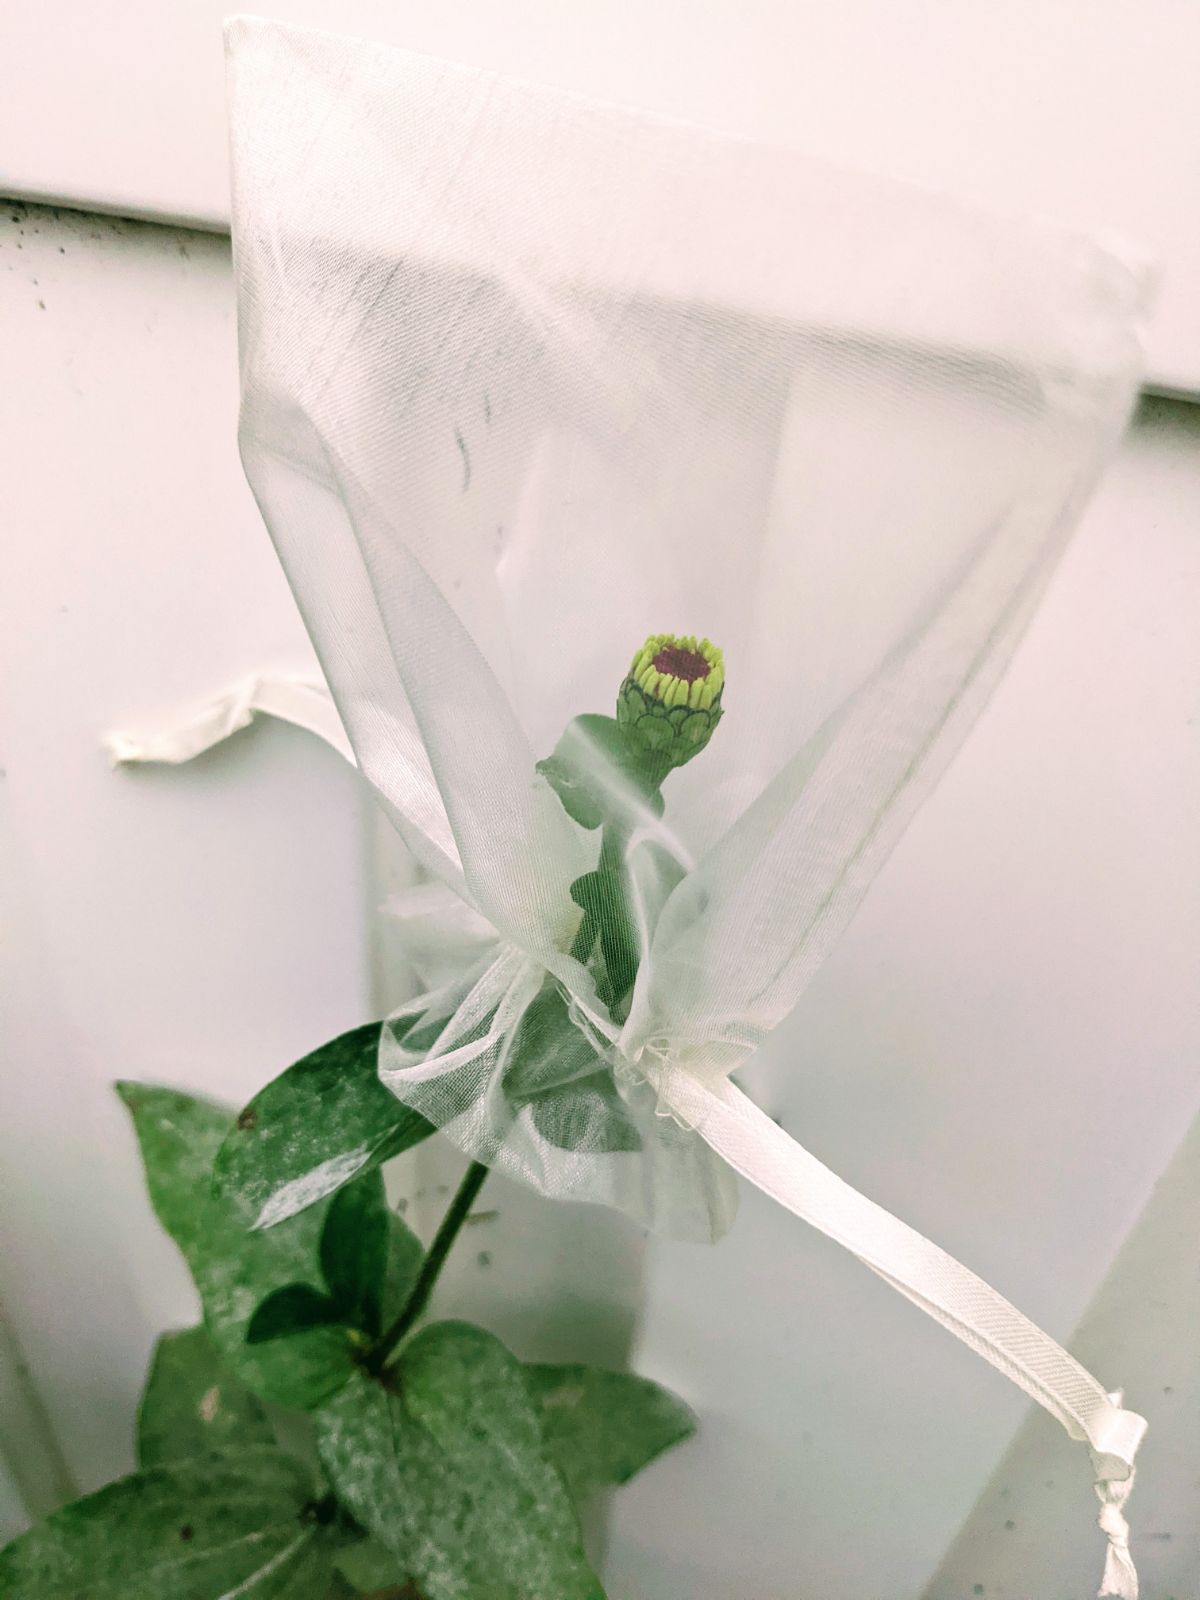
(244, 1523)
(456, 1475)
(555, 1068)
(367, 1565)
(452, 1470)
(601, 895)
(369, 1260)
(448, 1468)
(234, 1271)
(292, 1309)
(325, 1120)
(354, 1254)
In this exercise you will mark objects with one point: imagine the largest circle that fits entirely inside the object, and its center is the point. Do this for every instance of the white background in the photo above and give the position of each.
(1080, 109)
(202, 926)
(1019, 988)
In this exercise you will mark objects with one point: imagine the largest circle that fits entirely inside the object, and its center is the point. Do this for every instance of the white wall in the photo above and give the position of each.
(1018, 991)
(202, 929)
(202, 926)
(1003, 1051)
(1142, 1321)
(1081, 109)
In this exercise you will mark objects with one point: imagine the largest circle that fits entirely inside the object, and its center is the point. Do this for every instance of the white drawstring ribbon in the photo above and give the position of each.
(942, 1287)
(762, 1153)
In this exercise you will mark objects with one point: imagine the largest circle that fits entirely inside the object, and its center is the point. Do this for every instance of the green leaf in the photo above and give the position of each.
(239, 1523)
(191, 1404)
(549, 1051)
(319, 1124)
(589, 1116)
(339, 1588)
(292, 1309)
(405, 1258)
(234, 1270)
(370, 1565)
(354, 1253)
(596, 775)
(448, 1468)
(602, 1427)
(601, 895)
(555, 1068)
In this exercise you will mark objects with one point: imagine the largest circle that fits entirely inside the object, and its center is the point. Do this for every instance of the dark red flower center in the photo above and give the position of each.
(680, 663)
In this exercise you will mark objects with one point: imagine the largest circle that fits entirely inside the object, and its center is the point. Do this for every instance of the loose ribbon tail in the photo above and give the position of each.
(933, 1280)
(1120, 1577)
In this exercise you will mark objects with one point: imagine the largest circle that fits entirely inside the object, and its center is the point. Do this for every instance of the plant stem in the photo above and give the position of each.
(434, 1262)
(585, 938)
(612, 850)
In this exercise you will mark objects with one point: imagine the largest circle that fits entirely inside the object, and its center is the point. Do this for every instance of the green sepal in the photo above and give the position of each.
(661, 737)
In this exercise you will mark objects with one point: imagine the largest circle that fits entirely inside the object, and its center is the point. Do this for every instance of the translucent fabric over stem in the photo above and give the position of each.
(527, 380)
(663, 508)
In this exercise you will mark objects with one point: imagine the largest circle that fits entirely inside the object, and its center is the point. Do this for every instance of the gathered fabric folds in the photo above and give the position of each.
(543, 401)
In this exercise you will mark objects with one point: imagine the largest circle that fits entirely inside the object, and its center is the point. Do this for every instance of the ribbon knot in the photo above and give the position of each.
(1114, 1441)
(1120, 1578)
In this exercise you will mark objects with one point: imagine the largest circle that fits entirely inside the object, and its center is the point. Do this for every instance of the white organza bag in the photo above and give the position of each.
(540, 398)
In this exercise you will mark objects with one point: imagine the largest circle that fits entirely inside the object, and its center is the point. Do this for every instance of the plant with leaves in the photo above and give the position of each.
(317, 1436)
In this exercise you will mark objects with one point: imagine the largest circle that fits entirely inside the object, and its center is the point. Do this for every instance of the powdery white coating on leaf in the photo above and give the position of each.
(451, 1471)
(234, 1269)
(220, 1526)
(314, 1185)
(192, 1404)
(268, 1580)
(321, 1122)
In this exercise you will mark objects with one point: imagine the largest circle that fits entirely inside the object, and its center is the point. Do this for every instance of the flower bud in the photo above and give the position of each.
(670, 703)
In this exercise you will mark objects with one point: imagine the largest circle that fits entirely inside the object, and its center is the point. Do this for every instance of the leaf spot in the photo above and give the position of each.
(567, 1394)
(247, 1119)
(187, 1533)
(209, 1403)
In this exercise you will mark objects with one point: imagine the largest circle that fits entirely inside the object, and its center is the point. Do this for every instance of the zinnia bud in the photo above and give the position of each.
(670, 703)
